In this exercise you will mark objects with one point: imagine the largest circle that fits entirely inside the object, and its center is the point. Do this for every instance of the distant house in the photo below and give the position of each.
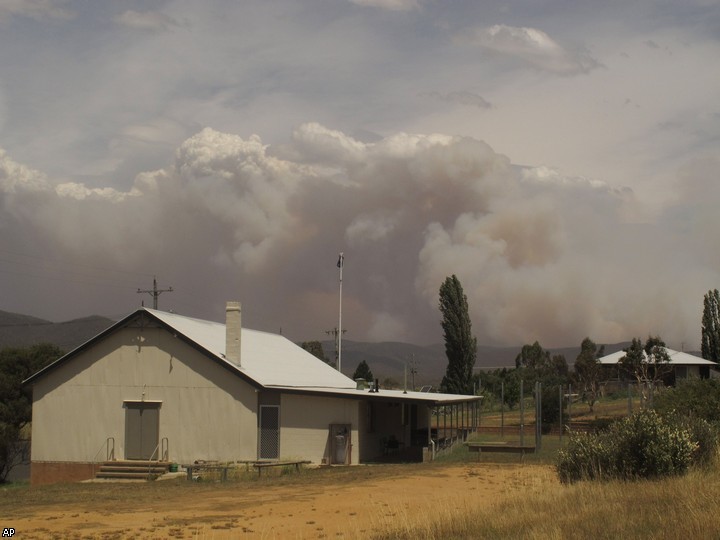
(157, 385)
(683, 365)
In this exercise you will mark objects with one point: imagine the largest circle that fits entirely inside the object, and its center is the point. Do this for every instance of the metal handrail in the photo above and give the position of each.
(110, 451)
(161, 449)
(157, 447)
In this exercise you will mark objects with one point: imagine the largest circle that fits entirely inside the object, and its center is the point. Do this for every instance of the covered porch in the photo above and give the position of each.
(414, 426)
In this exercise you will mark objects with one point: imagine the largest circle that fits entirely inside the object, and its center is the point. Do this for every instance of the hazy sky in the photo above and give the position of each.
(561, 158)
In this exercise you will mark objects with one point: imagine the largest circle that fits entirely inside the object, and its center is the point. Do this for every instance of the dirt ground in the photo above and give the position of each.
(350, 510)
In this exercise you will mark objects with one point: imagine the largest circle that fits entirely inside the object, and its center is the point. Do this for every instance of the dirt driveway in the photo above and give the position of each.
(352, 506)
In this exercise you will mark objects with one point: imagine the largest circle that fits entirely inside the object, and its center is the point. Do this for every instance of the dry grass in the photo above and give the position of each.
(675, 508)
(15, 499)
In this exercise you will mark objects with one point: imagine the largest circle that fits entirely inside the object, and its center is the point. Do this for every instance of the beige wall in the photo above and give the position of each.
(206, 412)
(305, 425)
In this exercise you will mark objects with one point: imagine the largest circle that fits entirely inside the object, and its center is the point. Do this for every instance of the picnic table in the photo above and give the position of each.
(197, 467)
(260, 465)
(193, 468)
(481, 447)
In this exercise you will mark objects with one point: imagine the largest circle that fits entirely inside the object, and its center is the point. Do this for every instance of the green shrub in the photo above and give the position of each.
(648, 446)
(698, 398)
(643, 445)
(705, 435)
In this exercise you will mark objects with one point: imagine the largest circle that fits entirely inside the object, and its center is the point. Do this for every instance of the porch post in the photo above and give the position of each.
(430, 444)
(444, 422)
(465, 411)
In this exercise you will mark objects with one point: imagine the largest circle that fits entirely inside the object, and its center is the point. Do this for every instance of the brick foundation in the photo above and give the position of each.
(52, 472)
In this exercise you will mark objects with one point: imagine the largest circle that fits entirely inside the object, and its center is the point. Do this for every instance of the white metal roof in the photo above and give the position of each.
(269, 359)
(394, 395)
(677, 358)
(277, 363)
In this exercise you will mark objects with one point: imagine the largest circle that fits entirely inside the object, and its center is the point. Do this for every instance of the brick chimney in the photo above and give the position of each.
(232, 332)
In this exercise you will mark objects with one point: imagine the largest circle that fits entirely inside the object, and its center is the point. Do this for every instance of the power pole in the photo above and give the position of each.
(336, 334)
(412, 364)
(340, 265)
(155, 292)
(413, 370)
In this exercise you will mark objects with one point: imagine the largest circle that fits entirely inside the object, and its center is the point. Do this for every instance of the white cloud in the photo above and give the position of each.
(81, 192)
(147, 20)
(35, 9)
(392, 5)
(16, 177)
(541, 255)
(532, 46)
(460, 98)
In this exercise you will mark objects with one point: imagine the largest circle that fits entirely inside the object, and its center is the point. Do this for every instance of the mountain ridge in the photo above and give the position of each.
(387, 360)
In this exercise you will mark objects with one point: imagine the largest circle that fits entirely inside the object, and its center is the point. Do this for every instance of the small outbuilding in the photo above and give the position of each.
(165, 387)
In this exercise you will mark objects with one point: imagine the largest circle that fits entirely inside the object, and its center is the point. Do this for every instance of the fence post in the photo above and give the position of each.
(502, 409)
(561, 404)
(570, 407)
(522, 413)
(538, 416)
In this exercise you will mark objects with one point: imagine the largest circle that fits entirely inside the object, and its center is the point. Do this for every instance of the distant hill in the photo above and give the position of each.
(386, 359)
(22, 331)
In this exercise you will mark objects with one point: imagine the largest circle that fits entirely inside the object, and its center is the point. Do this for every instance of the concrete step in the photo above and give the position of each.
(124, 475)
(137, 470)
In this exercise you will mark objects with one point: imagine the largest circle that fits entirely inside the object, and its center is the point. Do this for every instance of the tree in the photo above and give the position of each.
(537, 364)
(533, 357)
(588, 370)
(363, 372)
(316, 349)
(711, 327)
(460, 344)
(16, 365)
(647, 364)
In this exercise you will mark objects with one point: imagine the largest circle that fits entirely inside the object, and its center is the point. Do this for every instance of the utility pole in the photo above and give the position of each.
(413, 370)
(155, 292)
(335, 333)
(340, 264)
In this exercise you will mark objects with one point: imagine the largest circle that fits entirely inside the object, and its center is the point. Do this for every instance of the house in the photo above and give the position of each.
(162, 386)
(682, 364)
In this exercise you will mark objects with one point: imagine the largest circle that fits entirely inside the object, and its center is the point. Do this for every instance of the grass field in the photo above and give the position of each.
(675, 508)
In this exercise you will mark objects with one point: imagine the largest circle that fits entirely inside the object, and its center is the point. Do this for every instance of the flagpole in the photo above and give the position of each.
(341, 263)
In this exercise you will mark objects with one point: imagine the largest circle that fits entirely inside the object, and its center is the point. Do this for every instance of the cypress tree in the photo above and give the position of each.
(711, 327)
(460, 344)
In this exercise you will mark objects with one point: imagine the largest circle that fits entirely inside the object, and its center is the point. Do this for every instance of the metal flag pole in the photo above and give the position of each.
(340, 264)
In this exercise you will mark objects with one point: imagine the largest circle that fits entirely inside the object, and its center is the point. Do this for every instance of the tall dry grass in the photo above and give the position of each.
(674, 508)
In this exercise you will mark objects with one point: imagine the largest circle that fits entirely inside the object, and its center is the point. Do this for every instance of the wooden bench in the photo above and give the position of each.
(265, 464)
(197, 467)
(500, 447)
